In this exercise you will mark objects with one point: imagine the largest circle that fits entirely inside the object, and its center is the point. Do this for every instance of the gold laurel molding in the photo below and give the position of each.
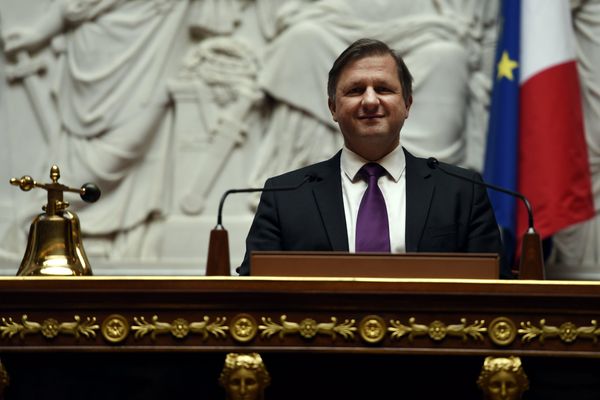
(50, 327)
(437, 330)
(567, 332)
(180, 328)
(243, 328)
(308, 328)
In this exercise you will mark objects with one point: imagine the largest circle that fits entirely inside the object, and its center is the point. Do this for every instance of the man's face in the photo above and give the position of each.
(369, 106)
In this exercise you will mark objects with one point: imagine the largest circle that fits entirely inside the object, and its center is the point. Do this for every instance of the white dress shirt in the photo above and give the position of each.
(392, 185)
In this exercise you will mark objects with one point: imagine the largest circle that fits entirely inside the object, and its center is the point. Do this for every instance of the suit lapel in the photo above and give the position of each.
(419, 192)
(328, 196)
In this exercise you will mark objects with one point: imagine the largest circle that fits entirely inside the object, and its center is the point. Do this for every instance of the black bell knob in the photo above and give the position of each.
(90, 192)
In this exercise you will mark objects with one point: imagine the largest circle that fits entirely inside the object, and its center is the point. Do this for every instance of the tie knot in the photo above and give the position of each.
(372, 170)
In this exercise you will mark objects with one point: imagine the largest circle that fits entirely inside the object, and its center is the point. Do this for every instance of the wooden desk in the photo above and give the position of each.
(420, 329)
(376, 265)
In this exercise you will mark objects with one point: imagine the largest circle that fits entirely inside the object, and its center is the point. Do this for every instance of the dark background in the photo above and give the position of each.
(297, 375)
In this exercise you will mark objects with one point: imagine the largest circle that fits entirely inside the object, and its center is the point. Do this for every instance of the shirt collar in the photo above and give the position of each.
(394, 163)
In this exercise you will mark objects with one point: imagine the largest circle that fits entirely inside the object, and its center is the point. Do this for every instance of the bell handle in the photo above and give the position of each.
(26, 183)
(89, 192)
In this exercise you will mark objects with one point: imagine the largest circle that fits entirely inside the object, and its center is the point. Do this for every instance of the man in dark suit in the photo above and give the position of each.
(373, 195)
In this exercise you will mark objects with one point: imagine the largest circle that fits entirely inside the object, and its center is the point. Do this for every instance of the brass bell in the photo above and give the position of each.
(54, 246)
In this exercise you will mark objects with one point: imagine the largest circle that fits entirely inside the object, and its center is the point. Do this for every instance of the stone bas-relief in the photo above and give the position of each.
(109, 63)
(165, 104)
(575, 254)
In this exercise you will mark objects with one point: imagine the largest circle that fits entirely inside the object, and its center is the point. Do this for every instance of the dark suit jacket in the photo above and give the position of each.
(443, 213)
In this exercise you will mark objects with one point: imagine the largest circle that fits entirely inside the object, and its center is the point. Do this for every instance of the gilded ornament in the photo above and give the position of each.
(179, 327)
(115, 328)
(205, 327)
(50, 327)
(87, 327)
(502, 331)
(474, 331)
(589, 332)
(398, 329)
(4, 379)
(567, 332)
(372, 329)
(244, 376)
(11, 327)
(308, 328)
(243, 328)
(503, 378)
(437, 330)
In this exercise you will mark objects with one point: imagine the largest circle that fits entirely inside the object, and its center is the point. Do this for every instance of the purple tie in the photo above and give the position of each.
(372, 227)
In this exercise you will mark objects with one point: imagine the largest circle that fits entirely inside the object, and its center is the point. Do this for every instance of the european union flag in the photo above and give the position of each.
(501, 158)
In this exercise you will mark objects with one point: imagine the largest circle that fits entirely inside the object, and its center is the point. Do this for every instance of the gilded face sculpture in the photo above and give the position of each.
(503, 378)
(244, 377)
(503, 386)
(243, 385)
(3, 379)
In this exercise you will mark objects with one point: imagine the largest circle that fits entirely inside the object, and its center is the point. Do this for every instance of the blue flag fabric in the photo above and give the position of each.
(502, 151)
(501, 158)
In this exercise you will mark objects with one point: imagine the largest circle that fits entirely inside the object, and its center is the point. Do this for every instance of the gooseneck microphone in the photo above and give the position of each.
(433, 163)
(217, 262)
(310, 177)
(531, 263)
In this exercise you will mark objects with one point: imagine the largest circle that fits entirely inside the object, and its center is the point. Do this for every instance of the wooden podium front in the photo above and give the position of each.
(156, 337)
(376, 265)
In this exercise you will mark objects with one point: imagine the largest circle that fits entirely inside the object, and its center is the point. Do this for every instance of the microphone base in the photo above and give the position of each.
(532, 263)
(217, 263)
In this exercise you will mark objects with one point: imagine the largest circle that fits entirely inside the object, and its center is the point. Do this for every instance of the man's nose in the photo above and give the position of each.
(370, 98)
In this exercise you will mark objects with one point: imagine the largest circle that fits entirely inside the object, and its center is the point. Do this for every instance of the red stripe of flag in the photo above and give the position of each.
(554, 171)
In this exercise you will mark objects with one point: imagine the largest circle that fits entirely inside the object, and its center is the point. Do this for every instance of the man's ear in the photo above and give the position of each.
(331, 105)
(408, 104)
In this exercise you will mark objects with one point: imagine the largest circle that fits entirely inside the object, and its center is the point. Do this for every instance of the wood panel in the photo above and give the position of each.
(352, 335)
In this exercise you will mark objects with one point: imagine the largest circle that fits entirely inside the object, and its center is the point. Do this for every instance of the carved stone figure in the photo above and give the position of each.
(244, 377)
(436, 38)
(575, 249)
(502, 378)
(106, 114)
(110, 99)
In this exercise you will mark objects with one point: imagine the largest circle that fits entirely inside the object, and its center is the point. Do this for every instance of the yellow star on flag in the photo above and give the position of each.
(506, 66)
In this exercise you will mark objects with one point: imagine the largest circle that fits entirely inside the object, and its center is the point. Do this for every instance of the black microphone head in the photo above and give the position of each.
(90, 192)
(432, 162)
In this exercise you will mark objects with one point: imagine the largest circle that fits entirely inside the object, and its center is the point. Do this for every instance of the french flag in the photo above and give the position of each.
(536, 137)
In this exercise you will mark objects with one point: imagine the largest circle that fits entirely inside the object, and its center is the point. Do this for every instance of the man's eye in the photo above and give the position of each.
(355, 91)
(383, 89)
